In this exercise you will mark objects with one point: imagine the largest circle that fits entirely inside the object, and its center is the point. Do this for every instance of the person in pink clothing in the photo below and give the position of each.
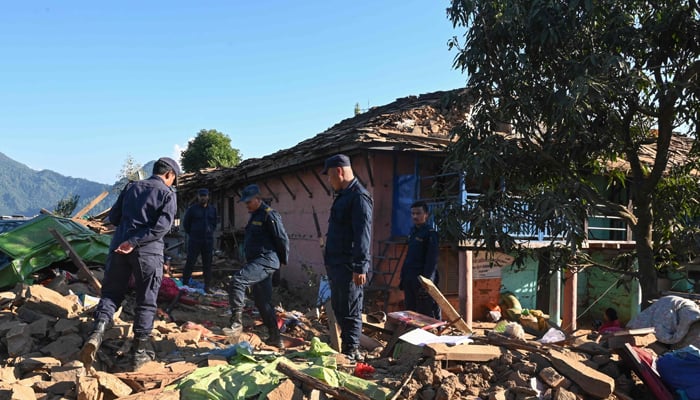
(611, 323)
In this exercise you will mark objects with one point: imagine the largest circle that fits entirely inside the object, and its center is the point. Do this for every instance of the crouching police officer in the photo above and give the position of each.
(143, 213)
(266, 246)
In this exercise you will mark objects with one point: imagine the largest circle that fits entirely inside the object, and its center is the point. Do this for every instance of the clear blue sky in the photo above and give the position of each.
(86, 84)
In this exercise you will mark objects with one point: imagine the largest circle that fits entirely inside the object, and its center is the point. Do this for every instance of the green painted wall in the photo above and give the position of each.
(522, 282)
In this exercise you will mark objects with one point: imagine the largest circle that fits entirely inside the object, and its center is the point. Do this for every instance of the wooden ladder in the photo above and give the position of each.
(384, 269)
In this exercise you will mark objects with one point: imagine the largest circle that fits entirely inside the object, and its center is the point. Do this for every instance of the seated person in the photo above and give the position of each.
(611, 323)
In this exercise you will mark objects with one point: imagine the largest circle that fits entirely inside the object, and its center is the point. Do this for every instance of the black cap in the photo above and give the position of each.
(338, 160)
(203, 192)
(249, 193)
(172, 164)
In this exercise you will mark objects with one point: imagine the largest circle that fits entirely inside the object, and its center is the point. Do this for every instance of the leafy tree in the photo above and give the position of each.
(358, 110)
(210, 148)
(131, 171)
(577, 86)
(65, 207)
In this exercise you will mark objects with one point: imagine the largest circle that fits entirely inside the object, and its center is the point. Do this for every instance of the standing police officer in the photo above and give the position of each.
(199, 223)
(347, 251)
(143, 213)
(421, 259)
(266, 245)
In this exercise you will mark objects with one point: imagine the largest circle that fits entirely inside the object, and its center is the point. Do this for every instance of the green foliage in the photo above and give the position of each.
(358, 110)
(565, 90)
(65, 207)
(210, 148)
(131, 171)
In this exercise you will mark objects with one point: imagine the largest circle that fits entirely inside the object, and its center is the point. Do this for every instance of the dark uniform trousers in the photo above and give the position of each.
(259, 276)
(263, 227)
(197, 248)
(199, 223)
(347, 250)
(148, 274)
(346, 300)
(143, 214)
(421, 259)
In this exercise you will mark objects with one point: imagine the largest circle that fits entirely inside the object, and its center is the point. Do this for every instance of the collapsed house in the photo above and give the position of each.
(397, 151)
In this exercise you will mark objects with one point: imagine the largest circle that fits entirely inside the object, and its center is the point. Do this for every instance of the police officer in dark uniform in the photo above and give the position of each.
(199, 223)
(266, 246)
(143, 214)
(421, 260)
(347, 251)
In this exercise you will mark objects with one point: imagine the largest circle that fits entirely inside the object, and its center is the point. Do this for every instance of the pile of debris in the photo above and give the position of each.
(407, 356)
(42, 330)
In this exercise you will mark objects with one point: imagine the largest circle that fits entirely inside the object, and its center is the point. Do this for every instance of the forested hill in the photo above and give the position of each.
(24, 191)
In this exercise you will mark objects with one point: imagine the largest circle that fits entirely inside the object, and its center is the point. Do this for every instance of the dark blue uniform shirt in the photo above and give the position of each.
(422, 255)
(265, 237)
(350, 229)
(200, 222)
(143, 213)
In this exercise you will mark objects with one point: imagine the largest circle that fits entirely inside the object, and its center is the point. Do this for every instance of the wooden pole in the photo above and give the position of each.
(570, 302)
(466, 285)
(337, 392)
(90, 205)
(77, 261)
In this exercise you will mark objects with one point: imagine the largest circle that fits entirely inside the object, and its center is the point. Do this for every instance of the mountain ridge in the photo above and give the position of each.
(25, 191)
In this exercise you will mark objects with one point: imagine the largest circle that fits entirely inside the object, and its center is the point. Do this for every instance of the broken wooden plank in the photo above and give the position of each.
(448, 312)
(77, 260)
(90, 205)
(593, 382)
(333, 328)
(337, 392)
(618, 341)
(462, 352)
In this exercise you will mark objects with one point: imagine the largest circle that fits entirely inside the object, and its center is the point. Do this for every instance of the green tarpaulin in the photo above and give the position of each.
(31, 247)
(247, 376)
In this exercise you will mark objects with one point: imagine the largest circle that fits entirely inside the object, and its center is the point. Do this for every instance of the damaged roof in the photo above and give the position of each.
(414, 123)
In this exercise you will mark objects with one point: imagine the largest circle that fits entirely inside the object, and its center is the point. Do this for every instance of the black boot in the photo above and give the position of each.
(234, 332)
(143, 352)
(275, 338)
(89, 350)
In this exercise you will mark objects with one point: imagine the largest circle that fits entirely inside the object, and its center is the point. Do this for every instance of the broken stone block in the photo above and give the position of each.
(33, 378)
(88, 388)
(28, 315)
(551, 377)
(563, 394)
(54, 388)
(19, 341)
(37, 363)
(20, 392)
(9, 374)
(6, 326)
(118, 331)
(50, 302)
(285, 391)
(66, 373)
(65, 326)
(6, 299)
(185, 338)
(113, 384)
(39, 327)
(65, 347)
